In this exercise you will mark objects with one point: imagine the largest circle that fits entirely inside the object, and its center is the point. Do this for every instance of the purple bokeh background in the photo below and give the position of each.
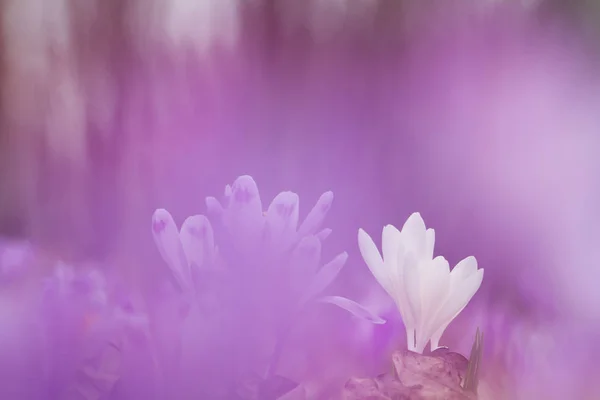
(488, 127)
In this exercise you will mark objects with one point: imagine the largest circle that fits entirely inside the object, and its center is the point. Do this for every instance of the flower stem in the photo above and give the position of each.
(279, 345)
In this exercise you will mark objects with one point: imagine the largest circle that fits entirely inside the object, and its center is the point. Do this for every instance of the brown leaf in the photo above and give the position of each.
(429, 377)
(472, 374)
(416, 369)
(458, 361)
(363, 389)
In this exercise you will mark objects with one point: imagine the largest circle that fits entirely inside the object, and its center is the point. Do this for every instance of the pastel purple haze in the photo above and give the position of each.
(490, 133)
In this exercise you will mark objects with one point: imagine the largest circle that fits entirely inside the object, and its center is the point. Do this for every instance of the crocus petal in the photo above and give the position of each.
(413, 235)
(245, 207)
(282, 220)
(304, 261)
(435, 339)
(435, 286)
(244, 216)
(429, 243)
(460, 272)
(461, 293)
(373, 259)
(166, 237)
(214, 207)
(324, 277)
(391, 238)
(198, 240)
(324, 234)
(316, 216)
(464, 268)
(400, 294)
(353, 308)
(412, 291)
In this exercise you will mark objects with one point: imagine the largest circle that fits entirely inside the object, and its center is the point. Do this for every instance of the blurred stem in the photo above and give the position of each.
(279, 345)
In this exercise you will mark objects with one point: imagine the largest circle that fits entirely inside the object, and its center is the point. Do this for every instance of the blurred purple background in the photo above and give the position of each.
(481, 117)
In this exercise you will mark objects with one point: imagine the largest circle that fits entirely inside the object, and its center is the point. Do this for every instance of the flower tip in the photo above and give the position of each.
(160, 213)
(416, 216)
(342, 257)
(243, 181)
(362, 236)
(213, 205)
(288, 198)
(324, 234)
(325, 202)
(472, 260)
(389, 228)
(309, 243)
(327, 196)
(160, 219)
(414, 224)
(196, 225)
(244, 190)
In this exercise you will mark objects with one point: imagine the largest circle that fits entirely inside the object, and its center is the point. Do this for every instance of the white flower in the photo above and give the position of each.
(428, 295)
(186, 250)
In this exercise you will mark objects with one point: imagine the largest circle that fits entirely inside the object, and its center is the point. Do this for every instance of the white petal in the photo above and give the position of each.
(282, 220)
(461, 292)
(429, 243)
(411, 293)
(414, 235)
(198, 240)
(353, 308)
(324, 277)
(435, 287)
(373, 259)
(461, 271)
(435, 339)
(464, 268)
(166, 237)
(304, 262)
(390, 243)
(400, 293)
(316, 216)
(392, 249)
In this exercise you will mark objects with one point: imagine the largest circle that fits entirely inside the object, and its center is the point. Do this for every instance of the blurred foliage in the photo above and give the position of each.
(100, 99)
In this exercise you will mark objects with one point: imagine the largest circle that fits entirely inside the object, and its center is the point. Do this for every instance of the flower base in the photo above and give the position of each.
(442, 375)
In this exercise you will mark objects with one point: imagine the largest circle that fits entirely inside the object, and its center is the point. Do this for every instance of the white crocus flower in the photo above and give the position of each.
(428, 295)
(187, 250)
